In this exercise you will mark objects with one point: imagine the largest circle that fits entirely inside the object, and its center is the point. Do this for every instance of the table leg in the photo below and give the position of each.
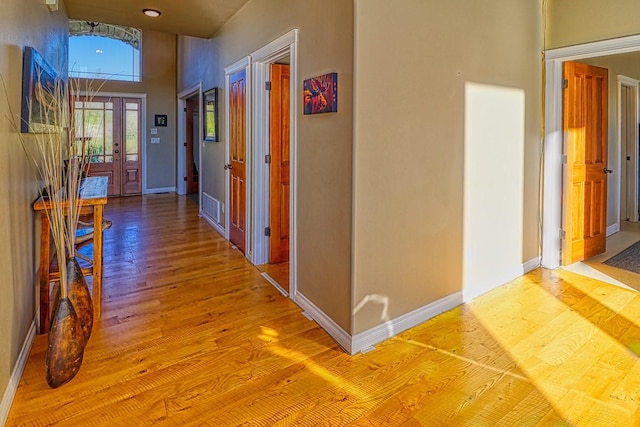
(45, 260)
(97, 260)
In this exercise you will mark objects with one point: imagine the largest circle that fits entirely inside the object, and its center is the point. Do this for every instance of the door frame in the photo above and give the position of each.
(552, 143)
(182, 137)
(284, 46)
(626, 181)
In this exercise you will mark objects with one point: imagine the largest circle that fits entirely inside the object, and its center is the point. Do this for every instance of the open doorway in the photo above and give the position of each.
(617, 50)
(260, 156)
(628, 131)
(192, 157)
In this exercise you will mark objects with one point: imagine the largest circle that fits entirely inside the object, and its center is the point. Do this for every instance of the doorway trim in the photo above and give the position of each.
(628, 181)
(552, 143)
(182, 137)
(284, 46)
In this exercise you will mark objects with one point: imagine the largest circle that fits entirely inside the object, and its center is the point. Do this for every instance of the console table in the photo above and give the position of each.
(93, 195)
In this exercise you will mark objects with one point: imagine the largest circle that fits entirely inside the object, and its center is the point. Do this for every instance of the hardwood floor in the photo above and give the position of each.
(279, 273)
(193, 335)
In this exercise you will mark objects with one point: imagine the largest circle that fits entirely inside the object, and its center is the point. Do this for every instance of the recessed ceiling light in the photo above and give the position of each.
(151, 12)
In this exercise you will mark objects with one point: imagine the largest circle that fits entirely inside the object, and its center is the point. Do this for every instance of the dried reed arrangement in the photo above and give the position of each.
(59, 163)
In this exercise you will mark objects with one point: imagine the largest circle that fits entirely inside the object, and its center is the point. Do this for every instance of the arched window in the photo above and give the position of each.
(104, 51)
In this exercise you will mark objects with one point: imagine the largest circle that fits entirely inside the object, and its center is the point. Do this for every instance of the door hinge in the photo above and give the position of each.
(267, 158)
(185, 109)
(565, 83)
(184, 179)
(267, 231)
(563, 234)
(267, 85)
(185, 144)
(564, 159)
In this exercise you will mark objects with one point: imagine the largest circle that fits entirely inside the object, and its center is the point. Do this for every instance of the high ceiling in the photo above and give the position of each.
(198, 18)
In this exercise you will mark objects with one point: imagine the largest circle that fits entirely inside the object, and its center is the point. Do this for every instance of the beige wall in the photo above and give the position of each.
(23, 23)
(324, 141)
(410, 140)
(159, 83)
(571, 22)
(198, 63)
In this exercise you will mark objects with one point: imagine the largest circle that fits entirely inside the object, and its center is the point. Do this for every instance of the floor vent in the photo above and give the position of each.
(211, 207)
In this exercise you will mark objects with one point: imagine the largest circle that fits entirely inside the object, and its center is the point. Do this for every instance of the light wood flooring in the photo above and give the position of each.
(193, 335)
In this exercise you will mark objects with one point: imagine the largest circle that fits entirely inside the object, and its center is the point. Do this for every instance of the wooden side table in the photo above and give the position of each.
(93, 195)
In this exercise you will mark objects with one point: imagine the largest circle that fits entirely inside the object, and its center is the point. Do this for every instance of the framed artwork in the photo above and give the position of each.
(161, 120)
(320, 94)
(210, 115)
(40, 82)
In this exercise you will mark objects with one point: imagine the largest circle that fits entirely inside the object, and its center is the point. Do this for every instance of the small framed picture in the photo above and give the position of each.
(210, 115)
(161, 120)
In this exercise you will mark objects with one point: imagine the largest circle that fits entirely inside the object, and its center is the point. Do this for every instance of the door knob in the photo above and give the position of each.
(228, 167)
(116, 151)
(606, 171)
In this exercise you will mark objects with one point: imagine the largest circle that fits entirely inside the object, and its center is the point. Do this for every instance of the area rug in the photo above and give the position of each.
(629, 259)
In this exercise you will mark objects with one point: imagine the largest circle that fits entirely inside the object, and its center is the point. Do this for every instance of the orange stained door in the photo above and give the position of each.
(111, 130)
(237, 165)
(279, 172)
(585, 172)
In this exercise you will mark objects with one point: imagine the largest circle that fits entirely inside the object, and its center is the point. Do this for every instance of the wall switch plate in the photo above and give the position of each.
(155, 140)
(154, 131)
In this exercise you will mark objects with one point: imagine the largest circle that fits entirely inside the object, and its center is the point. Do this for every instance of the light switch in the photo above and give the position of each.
(154, 131)
(155, 140)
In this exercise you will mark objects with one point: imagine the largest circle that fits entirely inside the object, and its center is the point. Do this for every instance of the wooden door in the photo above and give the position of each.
(279, 172)
(111, 129)
(192, 171)
(585, 131)
(98, 125)
(237, 165)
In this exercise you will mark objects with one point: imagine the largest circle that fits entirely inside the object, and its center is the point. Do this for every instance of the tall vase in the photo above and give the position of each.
(80, 296)
(66, 345)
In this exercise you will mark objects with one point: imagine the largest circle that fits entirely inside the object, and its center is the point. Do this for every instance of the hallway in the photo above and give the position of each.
(193, 335)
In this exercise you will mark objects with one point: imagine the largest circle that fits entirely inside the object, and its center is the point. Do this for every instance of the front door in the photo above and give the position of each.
(585, 171)
(279, 172)
(237, 148)
(111, 129)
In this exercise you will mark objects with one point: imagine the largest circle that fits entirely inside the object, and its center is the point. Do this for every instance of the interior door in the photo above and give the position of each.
(111, 129)
(237, 165)
(585, 172)
(279, 172)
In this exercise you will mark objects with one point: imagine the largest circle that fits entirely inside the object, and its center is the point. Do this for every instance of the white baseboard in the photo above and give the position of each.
(531, 265)
(363, 341)
(501, 276)
(339, 335)
(275, 284)
(213, 223)
(16, 375)
(612, 229)
(159, 190)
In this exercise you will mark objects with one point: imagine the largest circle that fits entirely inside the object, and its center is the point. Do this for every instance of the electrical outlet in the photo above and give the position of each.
(155, 140)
